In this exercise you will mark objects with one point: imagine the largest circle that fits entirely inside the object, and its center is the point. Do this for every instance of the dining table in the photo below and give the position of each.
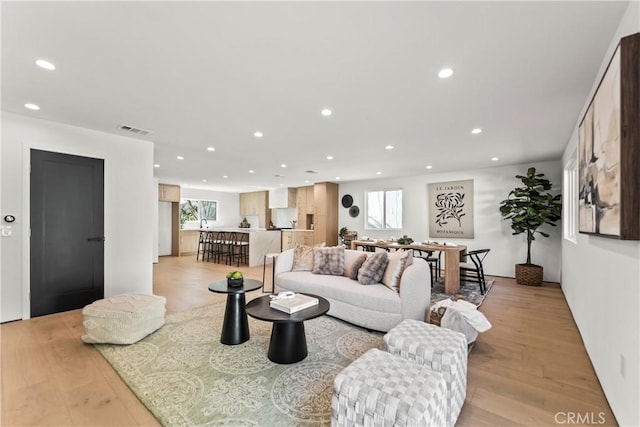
(453, 254)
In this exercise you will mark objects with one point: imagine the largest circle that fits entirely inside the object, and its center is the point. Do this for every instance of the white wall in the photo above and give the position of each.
(228, 205)
(601, 281)
(128, 182)
(490, 187)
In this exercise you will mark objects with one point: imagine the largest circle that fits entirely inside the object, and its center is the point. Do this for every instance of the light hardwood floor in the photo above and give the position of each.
(531, 368)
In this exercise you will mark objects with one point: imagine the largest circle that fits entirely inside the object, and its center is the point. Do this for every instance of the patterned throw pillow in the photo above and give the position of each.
(398, 261)
(302, 258)
(373, 268)
(328, 261)
(352, 263)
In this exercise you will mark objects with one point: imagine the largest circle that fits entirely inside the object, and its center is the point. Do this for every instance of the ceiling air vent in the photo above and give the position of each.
(278, 175)
(311, 171)
(135, 130)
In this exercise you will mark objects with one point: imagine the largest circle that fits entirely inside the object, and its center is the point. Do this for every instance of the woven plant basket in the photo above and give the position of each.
(529, 274)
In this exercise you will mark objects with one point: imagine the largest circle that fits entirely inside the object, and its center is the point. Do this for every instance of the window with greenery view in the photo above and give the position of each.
(192, 211)
(384, 209)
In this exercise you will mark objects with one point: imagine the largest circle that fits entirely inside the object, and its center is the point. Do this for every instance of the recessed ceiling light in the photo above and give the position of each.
(326, 112)
(476, 131)
(45, 64)
(429, 166)
(225, 176)
(306, 181)
(258, 134)
(389, 147)
(156, 165)
(251, 171)
(204, 180)
(211, 149)
(30, 106)
(445, 73)
(494, 159)
(378, 173)
(283, 165)
(329, 157)
(180, 158)
(337, 178)
(281, 185)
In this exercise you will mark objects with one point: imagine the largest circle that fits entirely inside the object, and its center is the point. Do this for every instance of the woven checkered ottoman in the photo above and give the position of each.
(380, 389)
(123, 319)
(440, 349)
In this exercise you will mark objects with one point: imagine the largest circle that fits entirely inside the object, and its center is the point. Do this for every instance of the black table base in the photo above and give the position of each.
(235, 329)
(288, 342)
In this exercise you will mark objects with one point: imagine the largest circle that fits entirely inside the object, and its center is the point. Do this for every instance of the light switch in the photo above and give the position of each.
(5, 231)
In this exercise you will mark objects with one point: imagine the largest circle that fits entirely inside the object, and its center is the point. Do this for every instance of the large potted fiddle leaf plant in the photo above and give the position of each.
(529, 207)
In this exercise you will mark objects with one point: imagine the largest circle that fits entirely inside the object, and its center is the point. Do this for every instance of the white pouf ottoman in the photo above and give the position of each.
(123, 319)
(440, 349)
(380, 389)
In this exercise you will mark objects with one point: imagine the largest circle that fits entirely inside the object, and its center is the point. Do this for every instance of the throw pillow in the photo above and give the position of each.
(302, 258)
(398, 261)
(373, 268)
(352, 263)
(328, 261)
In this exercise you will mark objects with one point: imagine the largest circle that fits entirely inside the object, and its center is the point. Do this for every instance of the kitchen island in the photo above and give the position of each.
(261, 241)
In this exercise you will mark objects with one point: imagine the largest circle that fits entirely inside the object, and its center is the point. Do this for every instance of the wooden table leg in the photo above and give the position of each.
(451, 271)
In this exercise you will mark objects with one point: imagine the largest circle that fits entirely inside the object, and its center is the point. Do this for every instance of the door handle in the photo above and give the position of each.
(96, 239)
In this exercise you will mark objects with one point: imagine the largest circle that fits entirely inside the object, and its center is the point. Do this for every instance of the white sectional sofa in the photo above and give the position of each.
(375, 306)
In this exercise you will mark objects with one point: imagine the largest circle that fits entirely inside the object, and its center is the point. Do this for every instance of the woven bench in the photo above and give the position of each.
(440, 349)
(123, 319)
(380, 389)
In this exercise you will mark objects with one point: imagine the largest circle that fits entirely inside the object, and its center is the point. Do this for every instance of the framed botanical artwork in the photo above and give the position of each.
(609, 150)
(451, 209)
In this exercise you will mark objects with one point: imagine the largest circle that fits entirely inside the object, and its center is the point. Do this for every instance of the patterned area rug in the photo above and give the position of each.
(468, 291)
(185, 376)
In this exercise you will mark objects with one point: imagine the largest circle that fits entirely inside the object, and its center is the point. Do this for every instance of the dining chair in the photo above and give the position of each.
(473, 271)
(432, 260)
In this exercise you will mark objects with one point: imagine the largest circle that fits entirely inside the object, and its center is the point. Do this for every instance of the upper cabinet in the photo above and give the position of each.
(168, 193)
(282, 198)
(255, 204)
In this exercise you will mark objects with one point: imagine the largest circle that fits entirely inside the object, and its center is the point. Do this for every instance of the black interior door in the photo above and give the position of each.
(67, 231)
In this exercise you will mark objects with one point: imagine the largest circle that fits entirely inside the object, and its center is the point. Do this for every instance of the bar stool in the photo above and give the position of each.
(274, 258)
(238, 248)
(218, 246)
(205, 242)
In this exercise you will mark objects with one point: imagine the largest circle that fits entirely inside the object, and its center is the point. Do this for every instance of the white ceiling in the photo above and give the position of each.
(202, 74)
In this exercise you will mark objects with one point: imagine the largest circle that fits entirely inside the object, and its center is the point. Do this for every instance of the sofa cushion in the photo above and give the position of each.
(373, 268)
(376, 297)
(398, 261)
(302, 258)
(328, 260)
(353, 260)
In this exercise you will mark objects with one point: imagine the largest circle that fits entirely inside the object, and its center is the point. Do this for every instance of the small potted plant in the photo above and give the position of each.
(528, 208)
(235, 279)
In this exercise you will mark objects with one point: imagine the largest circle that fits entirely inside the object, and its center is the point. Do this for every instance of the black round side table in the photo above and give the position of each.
(235, 328)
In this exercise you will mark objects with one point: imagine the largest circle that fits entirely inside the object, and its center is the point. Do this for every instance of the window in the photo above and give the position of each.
(193, 211)
(384, 209)
(570, 195)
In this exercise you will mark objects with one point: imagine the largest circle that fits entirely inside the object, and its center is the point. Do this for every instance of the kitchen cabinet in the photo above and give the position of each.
(189, 241)
(325, 218)
(168, 193)
(282, 198)
(306, 206)
(255, 204)
(291, 238)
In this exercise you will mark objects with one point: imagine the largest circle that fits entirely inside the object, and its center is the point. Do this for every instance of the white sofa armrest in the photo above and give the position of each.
(284, 262)
(415, 290)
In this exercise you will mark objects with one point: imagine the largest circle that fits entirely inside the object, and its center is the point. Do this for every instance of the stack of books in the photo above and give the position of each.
(293, 304)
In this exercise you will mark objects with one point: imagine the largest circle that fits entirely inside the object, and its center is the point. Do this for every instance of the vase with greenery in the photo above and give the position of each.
(529, 207)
